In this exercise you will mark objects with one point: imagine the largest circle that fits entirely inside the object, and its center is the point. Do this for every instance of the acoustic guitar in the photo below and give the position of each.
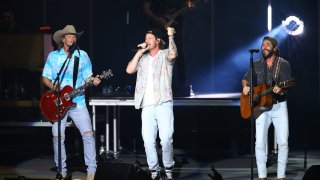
(49, 100)
(262, 99)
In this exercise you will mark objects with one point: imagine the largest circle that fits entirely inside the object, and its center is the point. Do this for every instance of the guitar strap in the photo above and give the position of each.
(277, 70)
(75, 70)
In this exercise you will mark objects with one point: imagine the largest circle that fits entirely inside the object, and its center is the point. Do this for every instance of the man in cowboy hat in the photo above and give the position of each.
(79, 114)
(154, 95)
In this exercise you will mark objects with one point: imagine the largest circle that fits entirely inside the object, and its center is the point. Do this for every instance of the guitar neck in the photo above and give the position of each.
(184, 9)
(284, 84)
(80, 89)
(179, 12)
(104, 75)
(266, 92)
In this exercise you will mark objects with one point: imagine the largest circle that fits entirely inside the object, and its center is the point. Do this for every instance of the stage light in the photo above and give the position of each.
(269, 17)
(293, 25)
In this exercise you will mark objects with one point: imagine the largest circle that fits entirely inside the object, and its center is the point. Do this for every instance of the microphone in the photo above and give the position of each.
(140, 46)
(254, 50)
(136, 49)
(72, 48)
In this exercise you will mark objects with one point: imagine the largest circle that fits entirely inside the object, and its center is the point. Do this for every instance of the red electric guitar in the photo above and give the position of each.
(49, 100)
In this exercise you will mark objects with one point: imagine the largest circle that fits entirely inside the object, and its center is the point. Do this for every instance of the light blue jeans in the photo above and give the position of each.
(154, 118)
(278, 115)
(81, 119)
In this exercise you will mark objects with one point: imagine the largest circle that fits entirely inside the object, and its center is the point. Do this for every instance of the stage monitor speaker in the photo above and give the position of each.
(115, 171)
(24, 178)
(312, 173)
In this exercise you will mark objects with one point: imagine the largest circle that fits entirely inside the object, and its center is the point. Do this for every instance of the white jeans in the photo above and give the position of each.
(81, 119)
(154, 118)
(278, 115)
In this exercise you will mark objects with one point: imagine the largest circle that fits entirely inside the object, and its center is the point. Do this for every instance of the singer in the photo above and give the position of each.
(271, 68)
(79, 114)
(153, 94)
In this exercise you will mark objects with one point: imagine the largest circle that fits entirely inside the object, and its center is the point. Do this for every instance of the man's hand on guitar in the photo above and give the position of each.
(245, 87)
(55, 88)
(276, 89)
(246, 90)
(95, 80)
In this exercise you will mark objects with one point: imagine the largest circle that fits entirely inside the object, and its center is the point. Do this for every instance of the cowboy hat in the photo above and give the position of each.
(69, 29)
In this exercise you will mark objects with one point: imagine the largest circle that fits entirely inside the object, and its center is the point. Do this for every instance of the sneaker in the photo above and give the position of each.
(68, 176)
(155, 175)
(169, 173)
(65, 176)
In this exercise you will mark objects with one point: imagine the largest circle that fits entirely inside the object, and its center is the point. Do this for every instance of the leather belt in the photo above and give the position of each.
(278, 101)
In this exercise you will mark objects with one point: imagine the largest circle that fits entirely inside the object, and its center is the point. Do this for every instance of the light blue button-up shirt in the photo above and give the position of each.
(55, 61)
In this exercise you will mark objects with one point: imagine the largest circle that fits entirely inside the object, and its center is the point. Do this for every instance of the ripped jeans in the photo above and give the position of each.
(278, 115)
(81, 119)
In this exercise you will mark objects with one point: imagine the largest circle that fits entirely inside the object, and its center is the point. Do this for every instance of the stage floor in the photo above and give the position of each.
(30, 165)
(26, 149)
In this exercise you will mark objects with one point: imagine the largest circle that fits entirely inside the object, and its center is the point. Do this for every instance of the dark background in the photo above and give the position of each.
(216, 39)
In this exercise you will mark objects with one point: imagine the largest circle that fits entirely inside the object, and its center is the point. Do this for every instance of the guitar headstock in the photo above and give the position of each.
(288, 83)
(106, 74)
(191, 4)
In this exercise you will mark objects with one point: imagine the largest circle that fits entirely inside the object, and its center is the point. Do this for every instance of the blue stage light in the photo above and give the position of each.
(293, 25)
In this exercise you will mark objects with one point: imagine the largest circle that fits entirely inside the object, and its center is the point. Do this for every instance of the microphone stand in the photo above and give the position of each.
(252, 120)
(57, 81)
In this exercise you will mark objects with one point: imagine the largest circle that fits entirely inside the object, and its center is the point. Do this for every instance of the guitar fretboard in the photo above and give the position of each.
(104, 75)
(285, 84)
(80, 89)
(186, 8)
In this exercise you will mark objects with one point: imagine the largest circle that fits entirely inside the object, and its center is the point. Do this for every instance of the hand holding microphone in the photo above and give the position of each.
(143, 47)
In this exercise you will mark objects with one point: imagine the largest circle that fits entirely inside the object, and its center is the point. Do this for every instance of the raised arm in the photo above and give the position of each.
(173, 52)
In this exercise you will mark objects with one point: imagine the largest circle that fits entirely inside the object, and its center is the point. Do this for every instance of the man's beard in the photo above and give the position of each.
(266, 56)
